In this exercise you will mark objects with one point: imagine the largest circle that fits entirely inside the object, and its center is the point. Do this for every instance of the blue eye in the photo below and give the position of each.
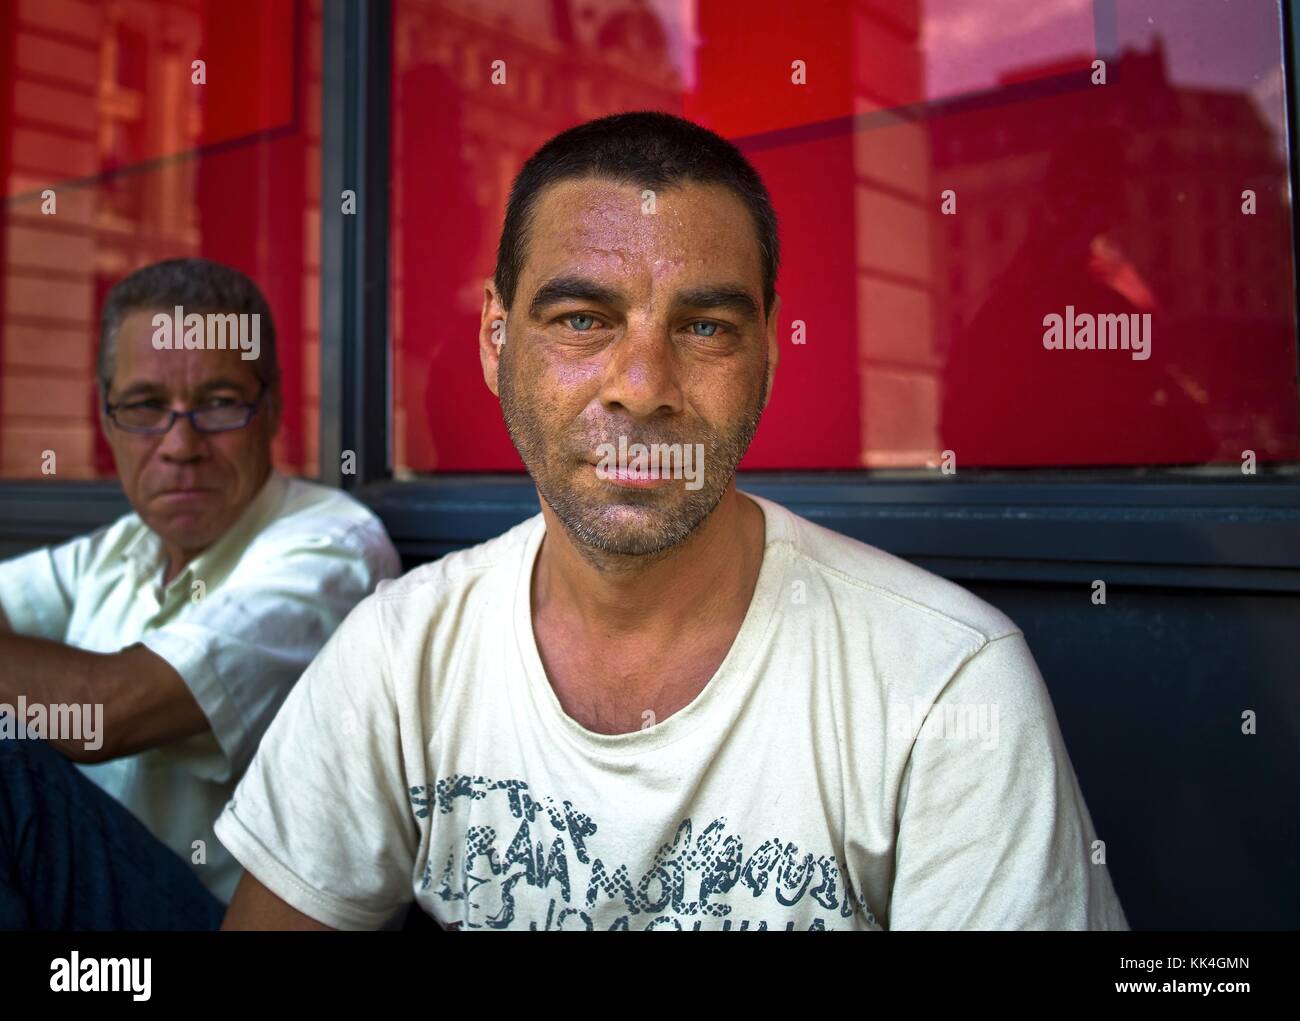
(712, 327)
(580, 315)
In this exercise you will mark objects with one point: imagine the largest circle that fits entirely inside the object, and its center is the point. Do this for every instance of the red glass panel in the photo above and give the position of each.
(1161, 192)
(100, 105)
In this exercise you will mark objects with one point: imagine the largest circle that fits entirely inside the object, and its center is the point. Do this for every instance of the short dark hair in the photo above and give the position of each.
(645, 148)
(198, 285)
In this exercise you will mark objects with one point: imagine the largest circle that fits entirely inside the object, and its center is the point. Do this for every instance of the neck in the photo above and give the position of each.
(717, 566)
(177, 557)
(176, 561)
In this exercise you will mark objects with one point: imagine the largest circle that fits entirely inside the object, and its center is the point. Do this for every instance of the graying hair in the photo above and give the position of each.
(198, 285)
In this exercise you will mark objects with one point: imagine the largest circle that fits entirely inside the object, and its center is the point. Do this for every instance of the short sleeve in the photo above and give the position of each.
(242, 647)
(38, 589)
(993, 832)
(321, 818)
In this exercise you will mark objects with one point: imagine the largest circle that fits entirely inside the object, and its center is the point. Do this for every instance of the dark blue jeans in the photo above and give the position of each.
(73, 857)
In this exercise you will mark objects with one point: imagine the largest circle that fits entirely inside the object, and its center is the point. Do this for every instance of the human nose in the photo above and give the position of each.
(642, 374)
(182, 442)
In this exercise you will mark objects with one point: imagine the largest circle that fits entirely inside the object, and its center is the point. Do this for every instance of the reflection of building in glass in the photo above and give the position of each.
(48, 304)
(563, 63)
(1132, 190)
(898, 380)
(90, 93)
(1180, 220)
(99, 106)
(1128, 195)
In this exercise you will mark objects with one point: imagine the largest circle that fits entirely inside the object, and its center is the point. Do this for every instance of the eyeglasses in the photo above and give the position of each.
(152, 418)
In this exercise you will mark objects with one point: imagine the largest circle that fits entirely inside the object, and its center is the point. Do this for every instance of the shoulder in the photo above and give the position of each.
(458, 574)
(39, 587)
(863, 577)
(310, 515)
(107, 544)
(307, 503)
(910, 637)
(429, 610)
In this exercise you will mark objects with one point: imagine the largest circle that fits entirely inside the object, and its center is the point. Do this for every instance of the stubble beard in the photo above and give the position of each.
(635, 523)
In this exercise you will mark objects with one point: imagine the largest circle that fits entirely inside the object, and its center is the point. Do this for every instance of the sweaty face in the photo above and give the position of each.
(187, 486)
(635, 327)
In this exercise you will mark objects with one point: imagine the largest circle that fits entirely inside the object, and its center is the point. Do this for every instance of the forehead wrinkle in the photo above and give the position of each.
(594, 231)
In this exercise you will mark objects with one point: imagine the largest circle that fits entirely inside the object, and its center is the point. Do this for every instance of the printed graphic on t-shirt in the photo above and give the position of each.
(549, 871)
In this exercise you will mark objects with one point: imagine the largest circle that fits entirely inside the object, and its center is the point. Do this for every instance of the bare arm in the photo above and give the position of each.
(256, 907)
(146, 703)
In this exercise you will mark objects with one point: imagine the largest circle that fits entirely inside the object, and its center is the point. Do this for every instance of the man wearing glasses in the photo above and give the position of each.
(170, 637)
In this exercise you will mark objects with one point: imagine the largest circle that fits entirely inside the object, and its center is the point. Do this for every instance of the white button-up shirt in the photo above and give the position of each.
(239, 624)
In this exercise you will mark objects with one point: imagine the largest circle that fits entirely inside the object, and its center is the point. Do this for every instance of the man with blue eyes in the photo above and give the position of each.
(141, 664)
(661, 703)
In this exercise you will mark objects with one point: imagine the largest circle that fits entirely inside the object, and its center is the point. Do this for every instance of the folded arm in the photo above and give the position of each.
(146, 703)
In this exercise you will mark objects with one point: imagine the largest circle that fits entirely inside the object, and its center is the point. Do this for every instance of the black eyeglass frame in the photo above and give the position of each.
(250, 409)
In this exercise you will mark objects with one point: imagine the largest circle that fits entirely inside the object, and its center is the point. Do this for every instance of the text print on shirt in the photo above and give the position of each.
(491, 867)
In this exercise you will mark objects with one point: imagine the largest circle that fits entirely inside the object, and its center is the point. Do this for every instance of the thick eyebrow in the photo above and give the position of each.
(570, 288)
(142, 389)
(222, 383)
(146, 388)
(731, 297)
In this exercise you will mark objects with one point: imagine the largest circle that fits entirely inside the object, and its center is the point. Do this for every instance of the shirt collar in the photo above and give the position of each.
(143, 550)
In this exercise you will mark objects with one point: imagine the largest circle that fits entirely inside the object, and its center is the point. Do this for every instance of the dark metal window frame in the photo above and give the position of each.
(1198, 528)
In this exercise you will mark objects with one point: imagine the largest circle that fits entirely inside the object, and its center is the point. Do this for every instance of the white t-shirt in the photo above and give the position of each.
(877, 750)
